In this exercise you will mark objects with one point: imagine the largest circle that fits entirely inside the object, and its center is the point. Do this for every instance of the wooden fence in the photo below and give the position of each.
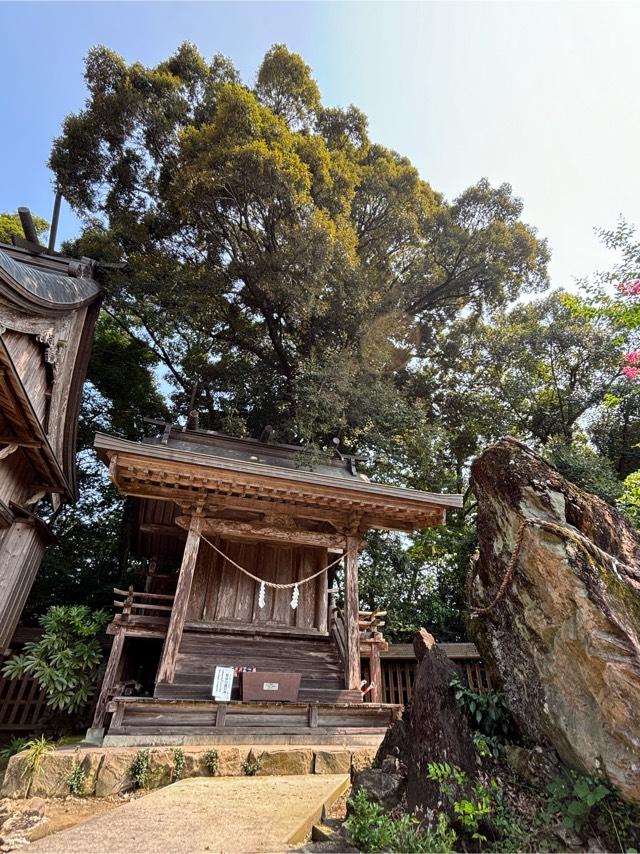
(398, 673)
(21, 704)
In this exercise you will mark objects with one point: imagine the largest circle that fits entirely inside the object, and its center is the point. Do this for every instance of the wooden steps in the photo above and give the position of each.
(315, 658)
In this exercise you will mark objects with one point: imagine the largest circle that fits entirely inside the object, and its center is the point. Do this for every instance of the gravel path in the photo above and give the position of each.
(221, 814)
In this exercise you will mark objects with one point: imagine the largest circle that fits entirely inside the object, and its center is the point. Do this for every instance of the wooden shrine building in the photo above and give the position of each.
(242, 542)
(48, 309)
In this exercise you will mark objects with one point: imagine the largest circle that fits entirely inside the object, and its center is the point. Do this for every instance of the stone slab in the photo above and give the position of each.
(229, 814)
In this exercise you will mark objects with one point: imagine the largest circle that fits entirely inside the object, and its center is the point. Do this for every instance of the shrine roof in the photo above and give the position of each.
(188, 469)
(51, 281)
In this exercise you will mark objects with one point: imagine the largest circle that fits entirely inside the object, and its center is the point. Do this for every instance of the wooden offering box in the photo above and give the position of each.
(276, 687)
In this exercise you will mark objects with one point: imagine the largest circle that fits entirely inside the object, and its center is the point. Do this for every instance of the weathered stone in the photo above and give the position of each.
(18, 822)
(16, 781)
(161, 766)
(363, 758)
(113, 774)
(51, 780)
(332, 762)
(565, 635)
(284, 762)
(434, 729)
(230, 760)
(90, 762)
(536, 767)
(379, 787)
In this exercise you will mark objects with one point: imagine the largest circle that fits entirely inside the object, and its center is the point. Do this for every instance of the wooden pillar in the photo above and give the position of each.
(375, 673)
(167, 668)
(110, 675)
(351, 610)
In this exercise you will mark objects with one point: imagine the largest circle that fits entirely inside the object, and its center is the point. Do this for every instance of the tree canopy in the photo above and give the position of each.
(266, 259)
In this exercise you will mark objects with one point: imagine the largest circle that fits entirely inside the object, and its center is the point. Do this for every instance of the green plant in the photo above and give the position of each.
(178, 764)
(472, 803)
(77, 779)
(139, 769)
(251, 766)
(574, 796)
(212, 761)
(65, 662)
(36, 748)
(487, 713)
(371, 829)
(487, 746)
(16, 745)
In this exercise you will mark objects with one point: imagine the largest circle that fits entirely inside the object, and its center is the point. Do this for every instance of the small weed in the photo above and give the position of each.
(16, 745)
(251, 766)
(487, 713)
(212, 761)
(77, 779)
(139, 769)
(574, 796)
(178, 764)
(36, 749)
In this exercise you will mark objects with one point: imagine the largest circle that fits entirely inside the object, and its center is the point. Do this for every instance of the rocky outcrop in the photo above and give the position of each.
(556, 592)
(434, 729)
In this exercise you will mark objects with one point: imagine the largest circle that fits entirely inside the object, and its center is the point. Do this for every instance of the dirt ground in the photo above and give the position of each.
(62, 813)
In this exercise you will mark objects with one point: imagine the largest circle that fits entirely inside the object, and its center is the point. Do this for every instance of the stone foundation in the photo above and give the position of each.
(107, 769)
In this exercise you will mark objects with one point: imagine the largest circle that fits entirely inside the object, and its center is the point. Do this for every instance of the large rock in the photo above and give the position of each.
(435, 728)
(564, 632)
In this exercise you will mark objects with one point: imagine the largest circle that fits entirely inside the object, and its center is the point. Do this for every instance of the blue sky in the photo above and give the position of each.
(542, 95)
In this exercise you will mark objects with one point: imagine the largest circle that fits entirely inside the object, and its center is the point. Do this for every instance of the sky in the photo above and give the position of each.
(542, 95)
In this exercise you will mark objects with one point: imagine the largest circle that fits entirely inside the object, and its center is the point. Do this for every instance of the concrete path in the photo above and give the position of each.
(220, 814)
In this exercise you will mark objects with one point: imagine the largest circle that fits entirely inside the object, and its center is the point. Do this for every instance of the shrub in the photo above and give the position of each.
(178, 764)
(16, 745)
(212, 761)
(65, 662)
(488, 713)
(372, 830)
(77, 779)
(139, 769)
(251, 766)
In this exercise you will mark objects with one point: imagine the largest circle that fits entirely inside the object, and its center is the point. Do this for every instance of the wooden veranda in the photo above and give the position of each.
(242, 546)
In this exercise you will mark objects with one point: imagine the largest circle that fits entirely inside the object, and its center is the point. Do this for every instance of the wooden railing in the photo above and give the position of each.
(398, 676)
(148, 604)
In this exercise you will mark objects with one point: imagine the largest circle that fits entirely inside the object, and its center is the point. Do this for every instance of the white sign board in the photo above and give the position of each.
(222, 683)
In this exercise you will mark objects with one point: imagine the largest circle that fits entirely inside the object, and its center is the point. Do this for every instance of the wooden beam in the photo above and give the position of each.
(110, 675)
(375, 672)
(162, 530)
(167, 668)
(230, 529)
(351, 610)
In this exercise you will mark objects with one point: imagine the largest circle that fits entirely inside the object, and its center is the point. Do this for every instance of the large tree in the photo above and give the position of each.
(275, 257)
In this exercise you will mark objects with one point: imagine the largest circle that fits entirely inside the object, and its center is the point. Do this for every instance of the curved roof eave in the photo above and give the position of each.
(28, 285)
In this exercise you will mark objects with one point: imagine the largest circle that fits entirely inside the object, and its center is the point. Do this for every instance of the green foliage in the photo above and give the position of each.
(629, 501)
(371, 829)
(251, 766)
(487, 713)
(36, 748)
(66, 660)
(212, 761)
(178, 764)
(77, 779)
(10, 225)
(16, 745)
(575, 796)
(139, 769)
(487, 746)
(587, 469)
